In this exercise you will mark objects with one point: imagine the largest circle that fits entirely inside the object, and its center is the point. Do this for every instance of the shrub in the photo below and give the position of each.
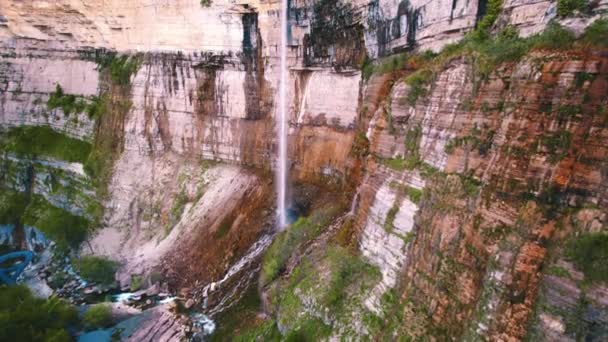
(44, 141)
(345, 269)
(120, 68)
(310, 329)
(177, 209)
(136, 282)
(596, 33)
(390, 218)
(392, 63)
(557, 144)
(559, 272)
(360, 147)
(590, 254)
(367, 68)
(414, 194)
(492, 12)
(96, 269)
(266, 331)
(26, 318)
(554, 37)
(67, 102)
(568, 112)
(74, 104)
(567, 7)
(97, 316)
(397, 164)
(418, 83)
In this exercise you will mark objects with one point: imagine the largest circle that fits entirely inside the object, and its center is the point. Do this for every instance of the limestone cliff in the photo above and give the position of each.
(468, 140)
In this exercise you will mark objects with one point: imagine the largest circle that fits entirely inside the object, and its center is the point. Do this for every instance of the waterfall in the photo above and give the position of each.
(282, 124)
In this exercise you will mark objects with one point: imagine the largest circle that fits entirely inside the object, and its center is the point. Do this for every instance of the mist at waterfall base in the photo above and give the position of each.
(282, 127)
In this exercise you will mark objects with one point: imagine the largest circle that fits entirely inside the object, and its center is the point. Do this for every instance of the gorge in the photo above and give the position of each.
(305, 170)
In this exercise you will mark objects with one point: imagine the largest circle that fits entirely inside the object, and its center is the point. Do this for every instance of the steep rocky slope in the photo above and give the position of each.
(441, 195)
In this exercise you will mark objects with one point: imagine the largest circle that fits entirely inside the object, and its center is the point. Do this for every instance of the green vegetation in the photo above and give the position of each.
(418, 82)
(581, 77)
(308, 329)
(559, 272)
(393, 63)
(596, 33)
(334, 279)
(346, 236)
(554, 37)
(136, 282)
(590, 254)
(303, 230)
(266, 331)
(566, 8)
(26, 318)
(414, 194)
(224, 227)
(477, 140)
(567, 112)
(345, 269)
(557, 144)
(96, 269)
(97, 316)
(12, 206)
(398, 317)
(240, 322)
(108, 141)
(492, 12)
(390, 217)
(36, 141)
(397, 164)
(412, 140)
(120, 67)
(74, 104)
(205, 3)
(367, 68)
(360, 147)
(67, 230)
(177, 209)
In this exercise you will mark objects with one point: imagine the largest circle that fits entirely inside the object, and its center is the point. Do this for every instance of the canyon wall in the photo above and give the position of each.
(462, 199)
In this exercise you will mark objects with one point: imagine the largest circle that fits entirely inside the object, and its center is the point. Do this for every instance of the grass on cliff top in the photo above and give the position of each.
(96, 269)
(34, 141)
(590, 254)
(24, 317)
(484, 50)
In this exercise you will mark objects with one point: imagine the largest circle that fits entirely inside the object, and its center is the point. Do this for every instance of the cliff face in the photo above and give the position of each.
(152, 123)
(498, 199)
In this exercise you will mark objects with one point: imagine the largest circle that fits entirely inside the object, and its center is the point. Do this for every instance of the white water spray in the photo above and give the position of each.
(282, 124)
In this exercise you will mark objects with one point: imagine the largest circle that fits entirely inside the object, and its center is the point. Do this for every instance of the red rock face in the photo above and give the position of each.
(525, 150)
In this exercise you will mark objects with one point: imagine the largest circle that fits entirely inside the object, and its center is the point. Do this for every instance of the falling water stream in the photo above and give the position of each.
(282, 124)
